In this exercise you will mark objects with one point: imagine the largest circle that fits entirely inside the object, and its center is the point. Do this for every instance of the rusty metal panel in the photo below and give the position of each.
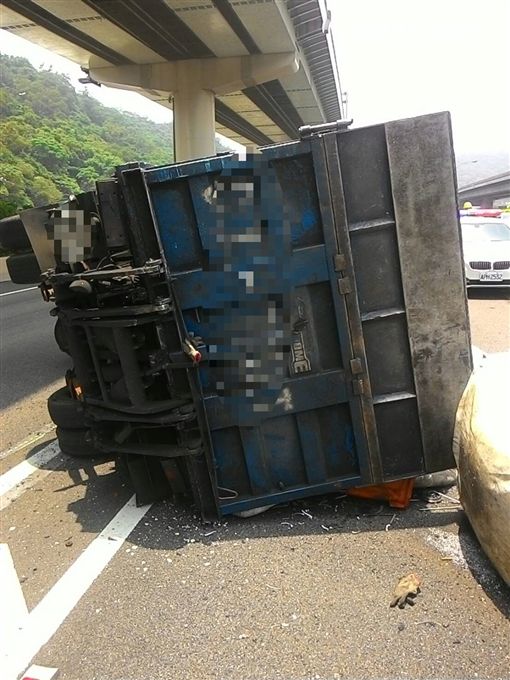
(281, 326)
(377, 307)
(423, 183)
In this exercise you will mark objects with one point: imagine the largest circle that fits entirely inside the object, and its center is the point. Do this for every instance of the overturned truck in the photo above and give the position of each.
(254, 331)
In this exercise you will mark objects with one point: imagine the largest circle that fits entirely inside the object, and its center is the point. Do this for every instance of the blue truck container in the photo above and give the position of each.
(284, 326)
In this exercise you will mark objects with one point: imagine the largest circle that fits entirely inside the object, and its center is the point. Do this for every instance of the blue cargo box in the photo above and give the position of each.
(324, 280)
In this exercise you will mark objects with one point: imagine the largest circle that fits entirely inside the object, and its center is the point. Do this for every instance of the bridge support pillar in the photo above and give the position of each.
(192, 85)
(194, 128)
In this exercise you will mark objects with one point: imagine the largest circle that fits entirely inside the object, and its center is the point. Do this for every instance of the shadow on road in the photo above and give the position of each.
(39, 371)
(481, 568)
(29, 357)
(106, 485)
(178, 525)
(173, 525)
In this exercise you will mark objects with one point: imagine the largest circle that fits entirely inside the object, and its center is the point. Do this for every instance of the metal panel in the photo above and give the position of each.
(378, 288)
(313, 436)
(426, 215)
(378, 351)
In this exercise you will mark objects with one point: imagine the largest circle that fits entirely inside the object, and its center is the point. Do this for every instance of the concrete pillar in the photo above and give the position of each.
(193, 83)
(194, 123)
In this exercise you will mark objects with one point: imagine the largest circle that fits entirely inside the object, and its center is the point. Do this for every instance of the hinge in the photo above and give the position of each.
(344, 285)
(340, 262)
(356, 366)
(358, 386)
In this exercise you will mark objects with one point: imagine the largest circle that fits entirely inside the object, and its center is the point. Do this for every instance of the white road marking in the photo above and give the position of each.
(26, 442)
(40, 673)
(23, 290)
(36, 463)
(14, 610)
(46, 618)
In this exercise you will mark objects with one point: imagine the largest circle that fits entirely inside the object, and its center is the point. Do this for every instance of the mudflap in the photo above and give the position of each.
(148, 478)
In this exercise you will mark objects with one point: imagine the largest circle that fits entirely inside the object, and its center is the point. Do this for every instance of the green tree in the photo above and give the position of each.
(45, 191)
(13, 187)
(55, 141)
(49, 150)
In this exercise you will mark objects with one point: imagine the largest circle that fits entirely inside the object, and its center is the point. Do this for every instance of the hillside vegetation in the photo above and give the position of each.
(55, 141)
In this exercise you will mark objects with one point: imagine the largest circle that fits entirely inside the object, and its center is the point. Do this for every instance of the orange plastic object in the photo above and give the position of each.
(398, 494)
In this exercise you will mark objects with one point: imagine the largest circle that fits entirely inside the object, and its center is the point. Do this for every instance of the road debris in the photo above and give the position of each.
(427, 622)
(440, 508)
(387, 527)
(405, 590)
(437, 496)
(449, 498)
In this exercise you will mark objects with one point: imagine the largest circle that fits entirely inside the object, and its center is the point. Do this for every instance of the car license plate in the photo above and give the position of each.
(491, 276)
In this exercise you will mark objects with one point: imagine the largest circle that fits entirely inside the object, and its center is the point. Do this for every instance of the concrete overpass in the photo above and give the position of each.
(252, 70)
(486, 191)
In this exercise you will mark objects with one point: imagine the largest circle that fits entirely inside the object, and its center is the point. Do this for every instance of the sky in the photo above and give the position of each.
(396, 58)
(400, 58)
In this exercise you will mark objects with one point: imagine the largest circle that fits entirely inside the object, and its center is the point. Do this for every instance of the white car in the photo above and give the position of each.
(486, 244)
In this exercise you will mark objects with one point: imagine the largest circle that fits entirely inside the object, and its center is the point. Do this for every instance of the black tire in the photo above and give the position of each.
(66, 412)
(61, 337)
(24, 268)
(76, 443)
(13, 235)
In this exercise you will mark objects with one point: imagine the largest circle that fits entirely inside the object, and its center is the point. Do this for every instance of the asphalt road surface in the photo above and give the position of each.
(30, 361)
(489, 314)
(297, 593)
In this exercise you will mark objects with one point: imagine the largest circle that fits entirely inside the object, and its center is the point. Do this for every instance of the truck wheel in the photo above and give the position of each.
(75, 443)
(13, 235)
(61, 337)
(23, 268)
(66, 412)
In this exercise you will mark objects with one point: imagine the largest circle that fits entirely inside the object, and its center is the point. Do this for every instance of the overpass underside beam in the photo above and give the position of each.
(192, 85)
